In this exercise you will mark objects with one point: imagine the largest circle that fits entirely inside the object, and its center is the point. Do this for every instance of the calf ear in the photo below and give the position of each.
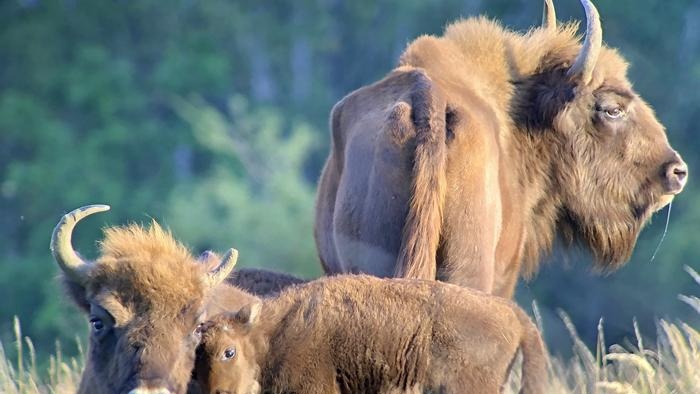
(76, 292)
(249, 314)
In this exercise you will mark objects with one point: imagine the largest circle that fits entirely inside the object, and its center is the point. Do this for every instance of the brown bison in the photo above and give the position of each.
(360, 334)
(484, 145)
(145, 297)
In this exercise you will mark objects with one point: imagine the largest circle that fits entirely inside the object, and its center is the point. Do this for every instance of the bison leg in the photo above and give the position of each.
(325, 201)
(366, 186)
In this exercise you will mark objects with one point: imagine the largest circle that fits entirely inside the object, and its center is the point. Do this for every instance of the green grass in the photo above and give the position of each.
(670, 365)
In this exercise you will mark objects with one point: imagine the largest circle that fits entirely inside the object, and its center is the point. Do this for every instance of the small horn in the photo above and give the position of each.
(223, 270)
(549, 16)
(62, 249)
(588, 57)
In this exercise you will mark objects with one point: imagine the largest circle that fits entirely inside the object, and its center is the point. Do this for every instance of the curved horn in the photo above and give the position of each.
(588, 57)
(68, 259)
(223, 270)
(549, 16)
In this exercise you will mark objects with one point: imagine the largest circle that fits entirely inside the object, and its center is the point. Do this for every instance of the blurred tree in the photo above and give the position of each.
(254, 196)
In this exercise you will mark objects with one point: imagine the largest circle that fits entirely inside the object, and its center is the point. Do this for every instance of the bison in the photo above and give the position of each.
(482, 147)
(361, 334)
(145, 297)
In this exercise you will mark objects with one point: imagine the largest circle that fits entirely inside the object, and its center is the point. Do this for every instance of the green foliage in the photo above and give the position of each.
(266, 208)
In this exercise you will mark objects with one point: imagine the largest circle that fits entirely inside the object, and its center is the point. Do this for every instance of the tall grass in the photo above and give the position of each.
(21, 375)
(671, 365)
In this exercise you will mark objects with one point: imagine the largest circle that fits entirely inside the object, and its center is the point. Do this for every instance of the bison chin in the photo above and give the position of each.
(610, 242)
(610, 230)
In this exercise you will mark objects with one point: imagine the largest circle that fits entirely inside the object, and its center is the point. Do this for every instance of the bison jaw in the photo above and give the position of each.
(663, 201)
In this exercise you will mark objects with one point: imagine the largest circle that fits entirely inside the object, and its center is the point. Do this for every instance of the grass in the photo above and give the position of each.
(21, 376)
(671, 365)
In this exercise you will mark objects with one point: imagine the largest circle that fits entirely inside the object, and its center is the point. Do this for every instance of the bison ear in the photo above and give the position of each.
(249, 314)
(541, 97)
(76, 292)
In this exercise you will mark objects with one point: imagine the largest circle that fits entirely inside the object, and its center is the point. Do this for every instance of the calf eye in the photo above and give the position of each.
(229, 354)
(614, 113)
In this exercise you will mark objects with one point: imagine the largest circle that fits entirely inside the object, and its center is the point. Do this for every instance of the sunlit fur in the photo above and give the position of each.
(478, 150)
(149, 292)
(359, 334)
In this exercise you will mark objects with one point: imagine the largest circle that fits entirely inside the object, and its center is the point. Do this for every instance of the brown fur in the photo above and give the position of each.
(262, 283)
(468, 159)
(259, 282)
(360, 334)
(148, 293)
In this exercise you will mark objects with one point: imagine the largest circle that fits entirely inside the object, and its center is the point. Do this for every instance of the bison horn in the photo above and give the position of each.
(588, 57)
(549, 16)
(223, 270)
(68, 259)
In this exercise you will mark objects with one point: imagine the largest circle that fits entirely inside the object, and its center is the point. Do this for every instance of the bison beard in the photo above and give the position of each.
(482, 147)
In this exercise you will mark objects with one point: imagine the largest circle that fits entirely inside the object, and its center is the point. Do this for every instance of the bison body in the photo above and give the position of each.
(361, 334)
(262, 283)
(483, 146)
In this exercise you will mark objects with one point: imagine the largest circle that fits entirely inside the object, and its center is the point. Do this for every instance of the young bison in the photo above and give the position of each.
(144, 297)
(360, 334)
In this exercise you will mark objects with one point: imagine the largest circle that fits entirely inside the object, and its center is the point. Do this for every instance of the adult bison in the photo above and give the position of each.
(466, 161)
(145, 296)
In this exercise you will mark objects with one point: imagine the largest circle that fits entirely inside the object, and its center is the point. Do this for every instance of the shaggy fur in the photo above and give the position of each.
(360, 334)
(469, 158)
(262, 283)
(259, 282)
(147, 291)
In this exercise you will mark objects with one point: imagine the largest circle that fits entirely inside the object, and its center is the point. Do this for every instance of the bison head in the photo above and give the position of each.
(227, 359)
(145, 297)
(610, 164)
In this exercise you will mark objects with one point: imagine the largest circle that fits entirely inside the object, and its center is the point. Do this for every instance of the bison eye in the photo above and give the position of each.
(614, 113)
(197, 333)
(97, 325)
(229, 354)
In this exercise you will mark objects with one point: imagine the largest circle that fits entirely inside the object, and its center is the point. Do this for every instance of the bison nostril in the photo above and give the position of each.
(676, 176)
(681, 172)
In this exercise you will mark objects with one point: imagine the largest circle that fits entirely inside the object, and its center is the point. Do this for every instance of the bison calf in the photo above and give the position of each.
(359, 334)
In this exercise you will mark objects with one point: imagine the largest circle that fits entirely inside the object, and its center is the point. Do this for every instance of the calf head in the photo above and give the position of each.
(227, 358)
(145, 297)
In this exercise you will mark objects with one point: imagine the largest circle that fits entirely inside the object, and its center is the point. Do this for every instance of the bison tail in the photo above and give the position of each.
(534, 367)
(421, 231)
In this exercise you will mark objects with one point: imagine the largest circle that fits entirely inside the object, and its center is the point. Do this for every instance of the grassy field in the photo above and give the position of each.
(670, 365)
